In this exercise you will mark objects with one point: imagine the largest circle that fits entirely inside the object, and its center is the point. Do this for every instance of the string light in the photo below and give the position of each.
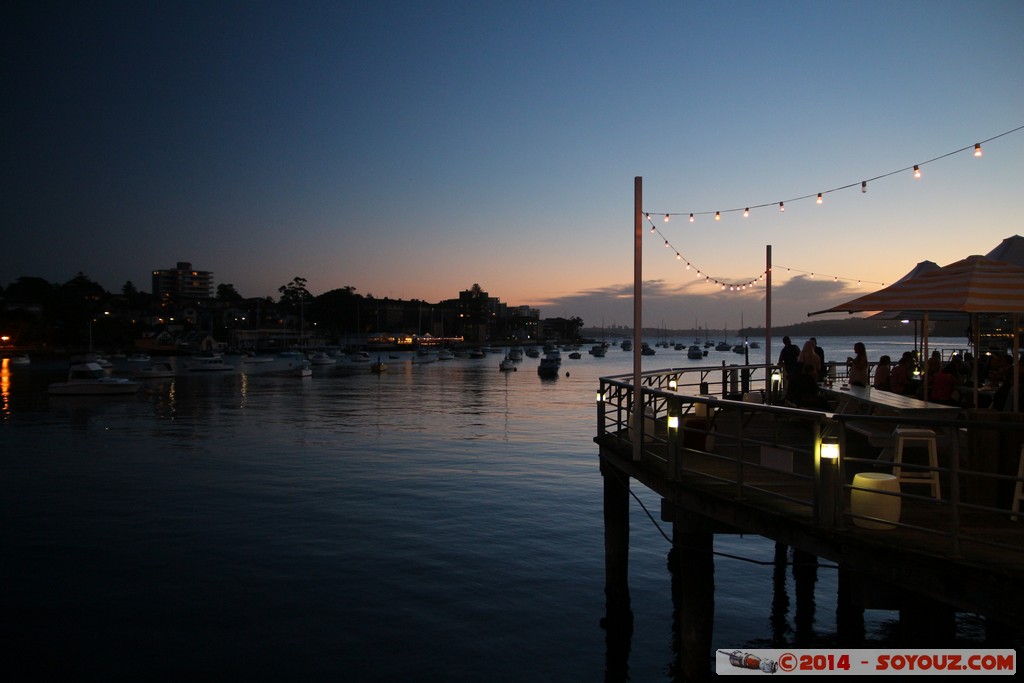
(863, 184)
(819, 200)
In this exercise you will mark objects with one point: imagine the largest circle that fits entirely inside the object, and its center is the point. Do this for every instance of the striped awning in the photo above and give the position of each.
(974, 285)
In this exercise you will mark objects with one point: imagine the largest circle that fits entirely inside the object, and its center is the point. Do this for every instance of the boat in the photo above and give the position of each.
(532, 352)
(755, 345)
(694, 352)
(378, 365)
(425, 356)
(515, 353)
(304, 369)
(160, 370)
(210, 363)
(550, 364)
(445, 354)
(359, 357)
(626, 345)
(321, 358)
(89, 379)
(477, 353)
(138, 358)
(575, 355)
(252, 358)
(103, 362)
(646, 350)
(598, 350)
(739, 348)
(507, 364)
(20, 359)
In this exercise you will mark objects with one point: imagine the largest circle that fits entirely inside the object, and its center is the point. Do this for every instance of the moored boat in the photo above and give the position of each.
(550, 364)
(160, 370)
(211, 363)
(89, 379)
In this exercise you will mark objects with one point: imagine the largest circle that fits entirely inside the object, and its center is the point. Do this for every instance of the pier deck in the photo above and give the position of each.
(720, 473)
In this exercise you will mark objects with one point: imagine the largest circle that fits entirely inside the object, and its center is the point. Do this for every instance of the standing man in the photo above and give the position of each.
(821, 356)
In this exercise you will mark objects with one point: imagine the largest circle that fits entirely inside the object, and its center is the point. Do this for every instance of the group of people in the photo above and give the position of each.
(804, 368)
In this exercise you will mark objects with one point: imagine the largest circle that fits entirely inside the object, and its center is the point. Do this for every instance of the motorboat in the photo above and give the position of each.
(160, 370)
(477, 353)
(378, 365)
(89, 379)
(515, 353)
(425, 356)
(626, 345)
(532, 352)
(211, 363)
(321, 358)
(138, 358)
(723, 346)
(359, 357)
(646, 350)
(252, 358)
(507, 364)
(575, 355)
(20, 359)
(445, 354)
(304, 369)
(694, 352)
(598, 350)
(550, 364)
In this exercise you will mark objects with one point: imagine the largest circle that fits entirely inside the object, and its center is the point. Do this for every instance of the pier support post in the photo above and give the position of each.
(849, 609)
(805, 575)
(618, 610)
(692, 564)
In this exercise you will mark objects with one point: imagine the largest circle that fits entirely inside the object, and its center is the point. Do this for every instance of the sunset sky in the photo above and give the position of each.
(412, 149)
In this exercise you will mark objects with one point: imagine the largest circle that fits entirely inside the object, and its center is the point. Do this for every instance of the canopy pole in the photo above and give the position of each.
(924, 345)
(638, 411)
(1016, 362)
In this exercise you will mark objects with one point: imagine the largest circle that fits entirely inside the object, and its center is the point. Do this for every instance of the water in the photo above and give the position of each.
(435, 522)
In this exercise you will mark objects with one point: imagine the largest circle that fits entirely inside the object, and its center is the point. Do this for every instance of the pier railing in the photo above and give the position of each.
(721, 430)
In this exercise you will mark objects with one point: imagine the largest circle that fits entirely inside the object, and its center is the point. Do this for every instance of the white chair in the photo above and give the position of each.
(905, 436)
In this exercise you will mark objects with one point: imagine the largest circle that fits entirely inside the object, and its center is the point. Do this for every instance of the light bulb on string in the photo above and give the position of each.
(691, 217)
(782, 206)
(718, 215)
(977, 149)
(746, 212)
(863, 186)
(819, 198)
(666, 218)
(917, 171)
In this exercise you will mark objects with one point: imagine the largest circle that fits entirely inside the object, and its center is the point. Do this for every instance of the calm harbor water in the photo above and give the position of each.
(440, 521)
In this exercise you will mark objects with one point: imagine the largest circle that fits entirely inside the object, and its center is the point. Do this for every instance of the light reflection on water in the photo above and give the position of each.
(437, 521)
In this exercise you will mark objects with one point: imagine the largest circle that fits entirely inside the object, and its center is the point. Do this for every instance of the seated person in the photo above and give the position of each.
(900, 380)
(943, 388)
(882, 372)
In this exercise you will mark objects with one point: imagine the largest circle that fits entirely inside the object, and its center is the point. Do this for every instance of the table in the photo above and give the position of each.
(854, 399)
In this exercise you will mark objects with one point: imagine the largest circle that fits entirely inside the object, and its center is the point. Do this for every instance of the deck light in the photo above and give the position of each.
(673, 422)
(829, 450)
(672, 385)
(977, 149)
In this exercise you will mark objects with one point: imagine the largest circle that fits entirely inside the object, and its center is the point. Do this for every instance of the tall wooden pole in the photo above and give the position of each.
(638, 319)
(768, 317)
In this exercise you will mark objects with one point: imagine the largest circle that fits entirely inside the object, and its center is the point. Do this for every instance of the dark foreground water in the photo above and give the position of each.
(436, 522)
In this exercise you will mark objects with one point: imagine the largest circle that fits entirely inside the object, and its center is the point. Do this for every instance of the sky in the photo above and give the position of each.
(413, 149)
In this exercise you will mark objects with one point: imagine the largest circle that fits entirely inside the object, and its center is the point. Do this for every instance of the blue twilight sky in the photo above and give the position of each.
(412, 149)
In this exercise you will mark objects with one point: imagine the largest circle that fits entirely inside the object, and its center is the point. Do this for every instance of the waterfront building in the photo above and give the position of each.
(182, 282)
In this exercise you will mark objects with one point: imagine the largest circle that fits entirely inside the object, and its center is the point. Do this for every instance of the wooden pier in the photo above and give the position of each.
(722, 464)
